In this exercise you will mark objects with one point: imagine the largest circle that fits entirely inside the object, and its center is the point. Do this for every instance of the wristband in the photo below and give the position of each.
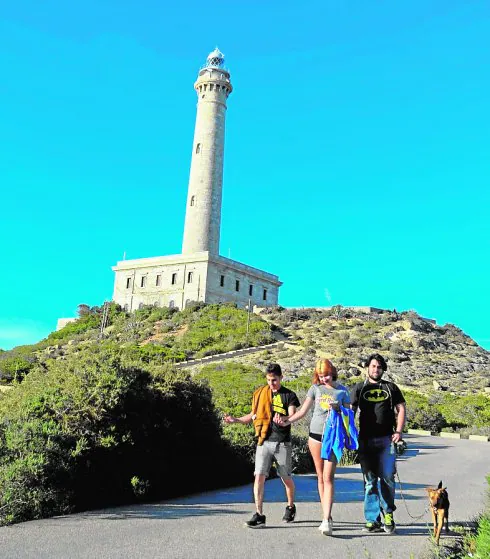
(397, 433)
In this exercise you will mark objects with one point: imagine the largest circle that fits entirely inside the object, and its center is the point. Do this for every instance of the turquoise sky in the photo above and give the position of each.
(356, 163)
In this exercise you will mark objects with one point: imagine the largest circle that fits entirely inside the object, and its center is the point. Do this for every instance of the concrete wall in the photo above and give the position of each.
(246, 276)
(62, 322)
(136, 282)
(170, 282)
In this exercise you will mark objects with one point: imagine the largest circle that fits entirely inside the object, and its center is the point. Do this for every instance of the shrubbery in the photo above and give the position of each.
(14, 366)
(447, 411)
(95, 430)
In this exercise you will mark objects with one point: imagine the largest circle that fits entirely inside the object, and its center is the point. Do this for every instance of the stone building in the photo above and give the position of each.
(199, 273)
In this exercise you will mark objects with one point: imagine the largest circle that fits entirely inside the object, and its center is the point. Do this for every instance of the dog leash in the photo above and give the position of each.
(426, 510)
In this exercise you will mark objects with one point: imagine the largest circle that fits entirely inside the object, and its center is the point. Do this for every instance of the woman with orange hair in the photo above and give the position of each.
(325, 394)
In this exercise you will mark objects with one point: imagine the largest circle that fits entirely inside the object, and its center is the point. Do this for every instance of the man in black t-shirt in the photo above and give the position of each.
(274, 441)
(382, 406)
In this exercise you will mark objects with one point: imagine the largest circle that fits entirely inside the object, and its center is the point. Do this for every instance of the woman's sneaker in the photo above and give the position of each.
(389, 524)
(326, 527)
(289, 514)
(257, 521)
(372, 527)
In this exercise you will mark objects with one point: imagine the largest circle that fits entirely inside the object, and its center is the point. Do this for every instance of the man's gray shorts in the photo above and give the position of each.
(280, 452)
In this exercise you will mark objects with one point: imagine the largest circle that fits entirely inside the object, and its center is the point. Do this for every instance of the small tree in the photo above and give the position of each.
(83, 310)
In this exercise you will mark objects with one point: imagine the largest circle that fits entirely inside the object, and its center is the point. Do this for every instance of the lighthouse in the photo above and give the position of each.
(199, 273)
(203, 209)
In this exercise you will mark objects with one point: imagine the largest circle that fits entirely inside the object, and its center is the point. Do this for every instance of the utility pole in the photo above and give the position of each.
(105, 318)
(249, 308)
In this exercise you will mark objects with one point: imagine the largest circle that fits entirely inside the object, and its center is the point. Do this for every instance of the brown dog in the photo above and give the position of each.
(439, 507)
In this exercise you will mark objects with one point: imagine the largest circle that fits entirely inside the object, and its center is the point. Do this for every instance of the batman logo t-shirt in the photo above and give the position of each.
(376, 402)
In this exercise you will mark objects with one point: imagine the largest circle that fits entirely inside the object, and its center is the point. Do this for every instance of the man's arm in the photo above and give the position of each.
(244, 420)
(354, 400)
(400, 422)
(291, 410)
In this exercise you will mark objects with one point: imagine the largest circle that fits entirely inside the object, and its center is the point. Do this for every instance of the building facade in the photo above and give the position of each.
(199, 273)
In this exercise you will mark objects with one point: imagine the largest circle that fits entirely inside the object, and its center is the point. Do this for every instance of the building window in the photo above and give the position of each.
(158, 281)
(128, 283)
(250, 290)
(126, 307)
(141, 305)
(222, 281)
(264, 295)
(237, 285)
(174, 278)
(193, 200)
(198, 148)
(143, 281)
(171, 304)
(190, 275)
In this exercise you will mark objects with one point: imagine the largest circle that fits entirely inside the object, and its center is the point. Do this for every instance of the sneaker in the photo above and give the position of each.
(389, 525)
(257, 521)
(326, 527)
(372, 527)
(289, 514)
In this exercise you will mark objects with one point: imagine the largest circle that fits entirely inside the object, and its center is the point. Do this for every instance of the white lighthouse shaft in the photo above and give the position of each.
(203, 211)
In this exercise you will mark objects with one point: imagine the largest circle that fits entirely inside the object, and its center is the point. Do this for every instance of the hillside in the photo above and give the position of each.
(420, 354)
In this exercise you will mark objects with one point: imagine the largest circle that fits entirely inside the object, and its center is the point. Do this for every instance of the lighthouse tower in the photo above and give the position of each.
(203, 211)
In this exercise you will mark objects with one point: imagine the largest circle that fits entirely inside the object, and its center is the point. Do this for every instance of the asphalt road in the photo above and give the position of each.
(212, 524)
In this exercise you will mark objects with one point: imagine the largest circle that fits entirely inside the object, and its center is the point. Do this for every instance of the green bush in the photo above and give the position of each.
(14, 366)
(422, 413)
(95, 431)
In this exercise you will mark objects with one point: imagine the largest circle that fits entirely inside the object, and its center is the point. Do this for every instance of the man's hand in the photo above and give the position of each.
(278, 418)
(334, 406)
(229, 419)
(396, 437)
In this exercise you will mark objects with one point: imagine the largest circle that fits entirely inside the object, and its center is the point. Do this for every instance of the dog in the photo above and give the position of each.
(439, 508)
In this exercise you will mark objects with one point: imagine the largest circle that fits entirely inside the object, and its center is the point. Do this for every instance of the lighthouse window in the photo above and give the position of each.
(250, 290)
(128, 283)
(193, 200)
(222, 281)
(174, 279)
(198, 148)
(143, 281)
(190, 275)
(237, 285)
(264, 295)
(211, 87)
(158, 281)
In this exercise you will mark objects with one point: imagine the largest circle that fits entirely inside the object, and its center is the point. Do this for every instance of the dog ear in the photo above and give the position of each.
(440, 485)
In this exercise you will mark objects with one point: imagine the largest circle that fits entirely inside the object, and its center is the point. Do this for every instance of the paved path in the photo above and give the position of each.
(211, 524)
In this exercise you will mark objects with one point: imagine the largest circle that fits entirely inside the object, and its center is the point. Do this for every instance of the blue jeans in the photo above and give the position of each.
(377, 457)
